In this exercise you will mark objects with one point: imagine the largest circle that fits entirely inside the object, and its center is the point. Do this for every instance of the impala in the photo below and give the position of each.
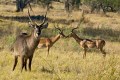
(49, 42)
(25, 45)
(88, 43)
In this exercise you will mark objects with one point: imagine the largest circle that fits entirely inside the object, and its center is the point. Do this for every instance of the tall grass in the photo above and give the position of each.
(65, 61)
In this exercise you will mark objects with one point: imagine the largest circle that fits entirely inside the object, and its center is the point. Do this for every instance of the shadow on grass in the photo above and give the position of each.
(47, 70)
(36, 18)
(104, 33)
(92, 33)
(22, 18)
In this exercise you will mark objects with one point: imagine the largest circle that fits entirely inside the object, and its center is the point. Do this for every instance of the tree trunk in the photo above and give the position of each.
(21, 4)
(77, 4)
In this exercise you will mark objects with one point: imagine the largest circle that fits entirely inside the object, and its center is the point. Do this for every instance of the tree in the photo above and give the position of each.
(21, 4)
(72, 5)
(45, 3)
(77, 3)
(105, 5)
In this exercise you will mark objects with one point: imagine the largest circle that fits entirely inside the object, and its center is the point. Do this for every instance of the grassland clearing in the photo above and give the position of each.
(65, 61)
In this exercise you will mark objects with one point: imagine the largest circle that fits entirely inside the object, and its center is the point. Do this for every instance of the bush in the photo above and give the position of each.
(108, 5)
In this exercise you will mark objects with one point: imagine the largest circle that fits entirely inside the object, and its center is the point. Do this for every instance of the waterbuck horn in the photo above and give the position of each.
(30, 18)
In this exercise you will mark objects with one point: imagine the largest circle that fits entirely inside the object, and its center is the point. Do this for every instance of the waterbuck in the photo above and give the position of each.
(25, 45)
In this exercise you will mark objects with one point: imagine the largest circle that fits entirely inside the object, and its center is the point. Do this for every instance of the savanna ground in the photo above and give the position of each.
(65, 61)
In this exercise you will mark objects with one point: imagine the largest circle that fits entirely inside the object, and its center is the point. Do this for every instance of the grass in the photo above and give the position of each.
(65, 61)
(63, 65)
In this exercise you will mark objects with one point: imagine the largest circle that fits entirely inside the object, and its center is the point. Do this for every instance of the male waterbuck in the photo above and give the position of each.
(49, 42)
(88, 43)
(25, 45)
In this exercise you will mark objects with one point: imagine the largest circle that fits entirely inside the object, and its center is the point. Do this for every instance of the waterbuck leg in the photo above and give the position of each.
(84, 55)
(25, 64)
(15, 62)
(22, 63)
(30, 62)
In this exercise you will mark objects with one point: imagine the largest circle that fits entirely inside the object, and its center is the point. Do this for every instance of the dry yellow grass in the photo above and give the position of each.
(65, 61)
(112, 21)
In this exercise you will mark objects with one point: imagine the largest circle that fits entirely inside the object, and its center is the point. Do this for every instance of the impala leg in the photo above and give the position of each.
(25, 64)
(84, 55)
(103, 52)
(30, 62)
(48, 50)
(15, 62)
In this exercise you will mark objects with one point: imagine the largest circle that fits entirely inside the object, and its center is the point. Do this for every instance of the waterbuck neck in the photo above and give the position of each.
(33, 41)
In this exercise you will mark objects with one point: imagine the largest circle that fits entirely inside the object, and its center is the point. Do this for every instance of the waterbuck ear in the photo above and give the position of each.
(45, 25)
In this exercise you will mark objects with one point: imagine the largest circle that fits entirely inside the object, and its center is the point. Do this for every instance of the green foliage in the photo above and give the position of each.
(113, 3)
(44, 2)
(72, 5)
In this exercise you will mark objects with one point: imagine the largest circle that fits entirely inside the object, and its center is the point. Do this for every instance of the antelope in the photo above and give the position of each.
(88, 43)
(49, 42)
(25, 44)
